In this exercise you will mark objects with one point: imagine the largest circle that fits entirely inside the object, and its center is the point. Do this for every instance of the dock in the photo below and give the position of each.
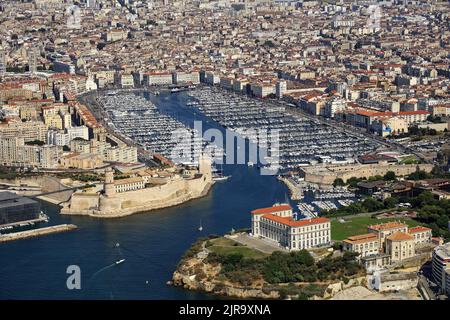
(295, 192)
(36, 232)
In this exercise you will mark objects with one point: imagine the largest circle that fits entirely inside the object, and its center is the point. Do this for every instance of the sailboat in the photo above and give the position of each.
(200, 228)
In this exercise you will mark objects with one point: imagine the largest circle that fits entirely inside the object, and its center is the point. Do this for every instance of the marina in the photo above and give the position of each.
(301, 141)
(137, 118)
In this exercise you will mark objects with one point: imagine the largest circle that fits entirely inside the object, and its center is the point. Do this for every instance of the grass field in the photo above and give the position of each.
(411, 159)
(227, 246)
(358, 225)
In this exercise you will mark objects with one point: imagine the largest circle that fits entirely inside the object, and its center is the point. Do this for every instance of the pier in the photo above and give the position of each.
(36, 232)
(295, 191)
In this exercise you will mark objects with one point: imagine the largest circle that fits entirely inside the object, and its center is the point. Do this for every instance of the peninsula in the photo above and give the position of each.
(145, 190)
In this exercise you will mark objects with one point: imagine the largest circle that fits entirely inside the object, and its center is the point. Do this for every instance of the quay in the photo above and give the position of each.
(36, 232)
(294, 190)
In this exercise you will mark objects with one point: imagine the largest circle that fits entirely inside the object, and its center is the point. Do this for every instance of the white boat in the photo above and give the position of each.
(200, 228)
(221, 178)
(250, 164)
(120, 261)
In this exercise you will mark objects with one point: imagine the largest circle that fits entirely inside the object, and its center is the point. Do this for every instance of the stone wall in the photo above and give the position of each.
(46, 184)
(122, 204)
(327, 174)
(85, 201)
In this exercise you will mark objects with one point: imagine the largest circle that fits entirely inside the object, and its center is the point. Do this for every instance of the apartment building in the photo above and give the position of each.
(126, 81)
(29, 131)
(14, 152)
(441, 267)
(158, 78)
(186, 77)
(124, 154)
(63, 138)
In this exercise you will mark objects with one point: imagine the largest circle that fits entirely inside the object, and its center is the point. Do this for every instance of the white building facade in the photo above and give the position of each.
(277, 224)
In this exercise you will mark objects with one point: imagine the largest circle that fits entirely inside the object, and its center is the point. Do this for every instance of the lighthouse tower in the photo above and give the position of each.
(109, 187)
(204, 166)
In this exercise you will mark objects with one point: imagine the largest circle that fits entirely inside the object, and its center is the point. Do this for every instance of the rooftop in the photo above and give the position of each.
(362, 238)
(273, 209)
(289, 221)
(400, 236)
(387, 226)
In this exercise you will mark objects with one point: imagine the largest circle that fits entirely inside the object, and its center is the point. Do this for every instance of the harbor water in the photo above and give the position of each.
(151, 243)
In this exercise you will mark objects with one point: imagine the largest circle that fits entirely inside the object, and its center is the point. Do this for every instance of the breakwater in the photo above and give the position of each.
(36, 232)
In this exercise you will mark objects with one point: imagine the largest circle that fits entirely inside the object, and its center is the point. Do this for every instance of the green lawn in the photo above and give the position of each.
(227, 246)
(358, 225)
(411, 159)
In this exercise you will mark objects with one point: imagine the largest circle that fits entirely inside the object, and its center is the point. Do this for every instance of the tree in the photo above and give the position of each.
(269, 44)
(391, 202)
(371, 204)
(390, 176)
(418, 175)
(338, 182)
(353, 181)
(35, 142)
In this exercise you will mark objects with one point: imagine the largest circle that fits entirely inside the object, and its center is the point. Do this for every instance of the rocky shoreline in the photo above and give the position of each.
(183, 277)
(196, 274)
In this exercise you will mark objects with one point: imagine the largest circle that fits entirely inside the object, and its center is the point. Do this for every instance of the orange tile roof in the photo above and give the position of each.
(419, 229)
(361, 238)
(368, 113)
(289, 221)
(405, 113)
(400, 236)
(272, 209)
(387, 225)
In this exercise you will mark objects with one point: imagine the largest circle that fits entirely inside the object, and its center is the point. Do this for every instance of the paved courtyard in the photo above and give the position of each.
(262, 245)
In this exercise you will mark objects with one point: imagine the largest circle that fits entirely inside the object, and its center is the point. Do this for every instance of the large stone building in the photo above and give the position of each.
(326, 174)
(277, 224)
(400, 246)
(128, 196)
(387, 243)
(76, 160)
